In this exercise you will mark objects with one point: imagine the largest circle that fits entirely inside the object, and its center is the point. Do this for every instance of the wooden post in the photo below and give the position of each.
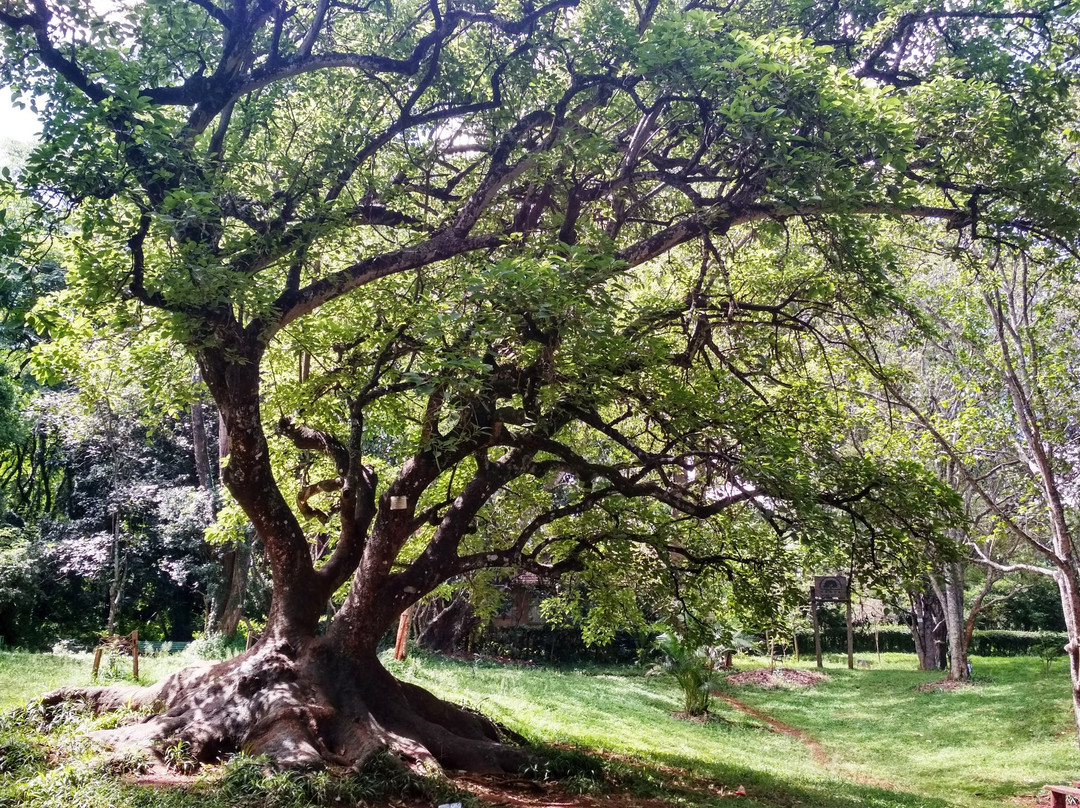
(877, 640)
(850, 638)
(817, 628)
(135, 653)
(400, 646)
(795, 643)
(97, 663)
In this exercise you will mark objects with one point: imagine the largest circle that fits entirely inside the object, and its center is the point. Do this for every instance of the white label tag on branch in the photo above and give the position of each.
(399, 503)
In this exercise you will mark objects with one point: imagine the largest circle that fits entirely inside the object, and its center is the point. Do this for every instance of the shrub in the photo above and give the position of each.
(692, 668)
(1048, 648)
(214, 646)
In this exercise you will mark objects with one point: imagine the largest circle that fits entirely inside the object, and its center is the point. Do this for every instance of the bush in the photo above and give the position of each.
(557, 646)
(1048, 648)
(1014, 643)
(214, 646)
(692, 668)
(990, 642)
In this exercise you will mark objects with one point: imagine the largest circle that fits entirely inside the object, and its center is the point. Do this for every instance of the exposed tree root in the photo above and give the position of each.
(303, 707)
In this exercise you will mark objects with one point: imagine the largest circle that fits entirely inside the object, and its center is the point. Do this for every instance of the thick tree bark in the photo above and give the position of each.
(305, 704)
(444, 626)
(927, 627)
(227, 605)
(951, 600)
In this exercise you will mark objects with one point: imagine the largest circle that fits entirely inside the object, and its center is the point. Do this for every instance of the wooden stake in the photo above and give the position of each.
(135, 653)
(400, 646)
(817, 628)
(850, 639)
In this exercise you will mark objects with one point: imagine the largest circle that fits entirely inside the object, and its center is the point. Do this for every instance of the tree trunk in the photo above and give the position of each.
(954, 623)
(1069, 590)
(443, 626)
(199, 447)
(951, 600)
(928, 629)
(307, 700)
(304, 703)
(116, 585)
(227, 599)
(227, 605)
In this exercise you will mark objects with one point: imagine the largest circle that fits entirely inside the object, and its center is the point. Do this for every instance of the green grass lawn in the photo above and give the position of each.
(25, 676)
(1010, 734)
(888, 745)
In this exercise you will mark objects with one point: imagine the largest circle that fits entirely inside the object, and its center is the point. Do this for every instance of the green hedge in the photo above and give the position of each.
(556, 646)
(834, 641)
(898, 638)
(1011, 643)
(564, 646)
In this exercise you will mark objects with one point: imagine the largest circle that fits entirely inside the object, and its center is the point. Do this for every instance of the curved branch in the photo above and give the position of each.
(304, 437)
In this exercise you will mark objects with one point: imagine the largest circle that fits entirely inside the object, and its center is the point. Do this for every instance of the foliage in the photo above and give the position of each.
(1035, 607)
(123, 511)
(693, 664)
(1049, 647)
(584, 289)
(692, 668)
(209, 645)
(533, 288)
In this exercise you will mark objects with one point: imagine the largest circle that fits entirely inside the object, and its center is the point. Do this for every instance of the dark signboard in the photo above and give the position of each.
(831, 588)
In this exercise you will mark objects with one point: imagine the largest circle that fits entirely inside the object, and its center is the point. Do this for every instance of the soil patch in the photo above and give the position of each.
(817, 751)
(777, 677)
(944, 684)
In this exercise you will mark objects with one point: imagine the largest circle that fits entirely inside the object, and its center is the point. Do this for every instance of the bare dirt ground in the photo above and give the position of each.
(762, 678)
(944, 684)
(777, 677)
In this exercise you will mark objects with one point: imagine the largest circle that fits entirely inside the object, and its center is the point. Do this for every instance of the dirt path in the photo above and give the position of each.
(817, 751)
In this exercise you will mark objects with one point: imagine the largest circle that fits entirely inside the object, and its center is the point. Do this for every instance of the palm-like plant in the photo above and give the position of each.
(692, 668)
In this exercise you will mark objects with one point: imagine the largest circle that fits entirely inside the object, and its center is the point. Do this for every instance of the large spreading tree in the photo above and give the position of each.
(532, 264)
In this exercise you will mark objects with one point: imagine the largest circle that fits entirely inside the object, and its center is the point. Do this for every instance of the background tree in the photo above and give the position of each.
(517, 227)
(1009, 350)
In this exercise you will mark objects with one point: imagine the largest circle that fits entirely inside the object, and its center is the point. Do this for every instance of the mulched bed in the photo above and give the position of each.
(777, 677)
(944, 684)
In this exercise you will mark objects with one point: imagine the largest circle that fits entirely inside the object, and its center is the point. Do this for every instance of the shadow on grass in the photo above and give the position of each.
(686, 781)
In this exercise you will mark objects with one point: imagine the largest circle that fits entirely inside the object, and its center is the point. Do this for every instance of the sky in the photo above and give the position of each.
(16, 124)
